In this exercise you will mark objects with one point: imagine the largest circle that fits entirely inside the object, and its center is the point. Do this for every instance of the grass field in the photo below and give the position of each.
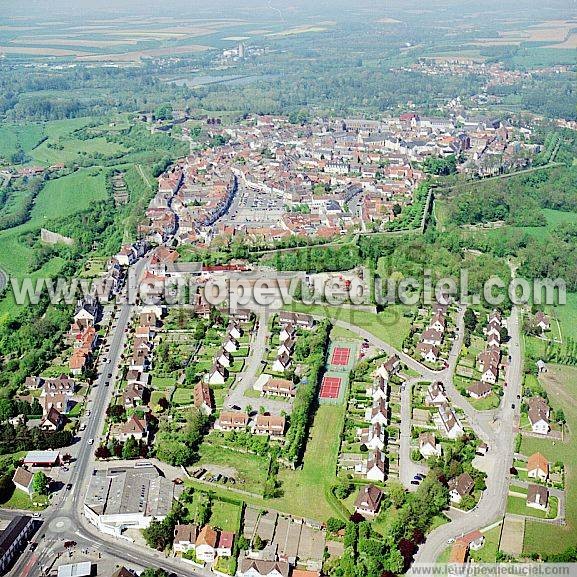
(518, 506)
(561, 385)
(68, 195)
(390, 325)
(225, 516)
(304, 488)
(15, 136)
(251, 470)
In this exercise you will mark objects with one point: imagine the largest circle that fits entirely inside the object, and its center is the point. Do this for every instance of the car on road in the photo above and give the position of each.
(451, 540)
(513, 405)
(91, 441)
(69, 486)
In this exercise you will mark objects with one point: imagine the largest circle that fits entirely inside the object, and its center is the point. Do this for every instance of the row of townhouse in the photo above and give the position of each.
(273, 426)
(447, 420)
(223, 359)
(432, 338)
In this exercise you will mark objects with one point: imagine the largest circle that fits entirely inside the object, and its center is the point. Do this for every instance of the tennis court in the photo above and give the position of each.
(341, 356)
(330, 387)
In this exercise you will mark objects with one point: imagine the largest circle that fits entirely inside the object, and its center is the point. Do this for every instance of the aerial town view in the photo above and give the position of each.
(288, 289)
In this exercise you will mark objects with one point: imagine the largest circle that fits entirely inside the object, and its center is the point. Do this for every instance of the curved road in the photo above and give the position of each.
(496, 428)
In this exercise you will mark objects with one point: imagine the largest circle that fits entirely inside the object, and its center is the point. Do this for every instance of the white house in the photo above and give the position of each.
(376, 467)
(539, 415)
(428, 446)
(538, 467)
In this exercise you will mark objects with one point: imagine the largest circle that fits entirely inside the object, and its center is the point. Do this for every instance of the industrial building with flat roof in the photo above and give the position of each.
(119, 498)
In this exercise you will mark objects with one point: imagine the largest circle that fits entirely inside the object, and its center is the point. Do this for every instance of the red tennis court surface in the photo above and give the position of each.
(330, 388)
(341, 356)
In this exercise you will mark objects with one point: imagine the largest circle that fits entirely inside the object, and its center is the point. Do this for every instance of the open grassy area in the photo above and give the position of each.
(250, 470)
(390, 325)
(307, 489)
(14, 137)
(561, 385)
(225, 516)
(20, 500)
(68, 195)
(488, 553)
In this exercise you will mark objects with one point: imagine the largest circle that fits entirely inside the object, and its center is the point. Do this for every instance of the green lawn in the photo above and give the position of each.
(225, 516)
(307, 490)
(251, 470)
(182, 396)
(518, 506)
(488, 553)
(68, 195)
(390, 325)
(539, 537)
(16, 136)
(20, 500)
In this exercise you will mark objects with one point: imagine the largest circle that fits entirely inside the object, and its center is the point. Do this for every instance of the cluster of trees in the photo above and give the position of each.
(440, 165)
(24, 194)
(21, 438)
(304, 403)
(160, 534)
(177, 443)
(370, 554)
(317, 259)
(258, 444)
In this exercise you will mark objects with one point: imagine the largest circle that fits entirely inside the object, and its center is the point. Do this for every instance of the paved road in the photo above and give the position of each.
(253, 364)
(497, 429)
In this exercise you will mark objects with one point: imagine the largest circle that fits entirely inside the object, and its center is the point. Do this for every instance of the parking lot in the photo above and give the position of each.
(255, 208)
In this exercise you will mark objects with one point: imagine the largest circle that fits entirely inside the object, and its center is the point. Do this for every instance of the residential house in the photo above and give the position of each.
(538, 413)
(374, 437)
(270, 425)
(542, 321)
(134, 427)
(380, 390)
(218, 374)
(203, 398)
(205, 546)
(538, 497)
(378, 413)
(286, 347)
(460, 487)
(262, 568)
(473, 540)
(23, 480)
(376, 467)
(231, 345)
(287, 332)
(53, 421)
(233, 421)
(390, 367)
(436, 394)
(279, 388)
(429, 352)
(234, 330)
(432, 336)
(224, 358)
(135, 394)
(490, 375)
(428, 446)
(86, 312)
(368, 501)
(59, 401)
(438, 323)
(479, 390)
(78, 362)
(281, 363)
(184, 538)
(449, 423)
(538, 467)
(299, 319)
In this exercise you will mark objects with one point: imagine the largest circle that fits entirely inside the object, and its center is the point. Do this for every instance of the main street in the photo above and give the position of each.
(64, 519)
